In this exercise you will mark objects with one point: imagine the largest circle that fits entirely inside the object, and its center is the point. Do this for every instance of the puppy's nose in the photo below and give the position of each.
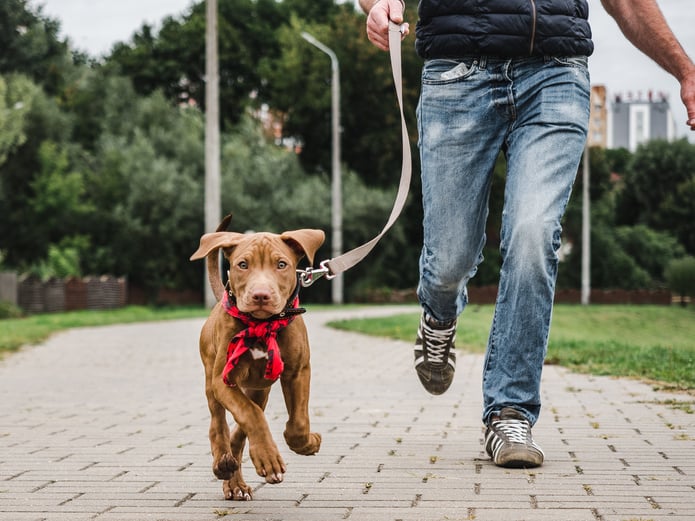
(261, 296)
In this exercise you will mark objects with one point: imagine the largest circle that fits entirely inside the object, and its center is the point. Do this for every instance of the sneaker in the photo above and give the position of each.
(509, 443)
(435, 359)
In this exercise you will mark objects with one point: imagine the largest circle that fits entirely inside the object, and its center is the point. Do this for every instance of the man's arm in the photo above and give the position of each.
(645, 26)
(379, 12)
(367, 5)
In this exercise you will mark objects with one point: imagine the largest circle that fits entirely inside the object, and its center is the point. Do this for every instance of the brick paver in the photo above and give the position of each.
(110, 424)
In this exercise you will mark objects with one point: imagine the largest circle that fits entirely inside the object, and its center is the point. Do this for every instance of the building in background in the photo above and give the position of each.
(636, 119)
(629, 120)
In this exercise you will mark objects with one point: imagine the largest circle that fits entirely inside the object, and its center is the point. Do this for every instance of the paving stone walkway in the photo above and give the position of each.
(110, 424)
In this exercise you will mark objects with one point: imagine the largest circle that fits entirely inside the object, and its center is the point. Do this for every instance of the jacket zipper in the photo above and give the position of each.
(533, 26)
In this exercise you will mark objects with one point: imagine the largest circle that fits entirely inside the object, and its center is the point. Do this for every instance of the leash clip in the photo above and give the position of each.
(310, 275)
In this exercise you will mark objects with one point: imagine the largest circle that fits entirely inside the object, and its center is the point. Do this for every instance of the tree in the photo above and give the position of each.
(613, 260)
(31, 46)
(16, 96)
(680, 275)
(146, 183)
(617, 159)
(677, 213)
(58, 201)
(63, 259)
(298, 85)
(314, 11)
(651, 250)
(611, 266)
(20, 230)
(657, 168)
(173, 60)
(659, 189)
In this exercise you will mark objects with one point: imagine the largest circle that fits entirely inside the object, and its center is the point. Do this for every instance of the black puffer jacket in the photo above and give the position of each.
(507, 28)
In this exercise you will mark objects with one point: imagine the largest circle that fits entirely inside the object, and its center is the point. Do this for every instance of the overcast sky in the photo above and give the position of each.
(95, 25)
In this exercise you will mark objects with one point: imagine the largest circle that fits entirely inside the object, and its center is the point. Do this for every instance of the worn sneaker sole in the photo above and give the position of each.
(432, 386)
(518, 456)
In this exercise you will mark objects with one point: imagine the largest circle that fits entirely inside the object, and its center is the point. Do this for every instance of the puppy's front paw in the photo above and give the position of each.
(225, 466)
(237, 490)
(268, 462)
(304, 445)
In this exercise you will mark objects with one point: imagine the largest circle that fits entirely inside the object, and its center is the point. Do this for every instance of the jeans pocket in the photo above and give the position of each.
(441, 72)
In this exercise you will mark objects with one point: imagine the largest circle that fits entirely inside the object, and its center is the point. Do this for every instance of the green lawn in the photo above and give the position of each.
(655, 343)
(16, 332)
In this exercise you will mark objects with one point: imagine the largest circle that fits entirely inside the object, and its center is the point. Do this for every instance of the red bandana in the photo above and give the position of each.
(257, 332)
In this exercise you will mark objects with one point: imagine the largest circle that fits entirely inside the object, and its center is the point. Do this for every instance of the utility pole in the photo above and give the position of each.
(336, 186)
(586, 231)
(213, 213)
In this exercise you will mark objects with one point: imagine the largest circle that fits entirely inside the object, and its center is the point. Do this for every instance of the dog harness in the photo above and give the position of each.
(258, 331)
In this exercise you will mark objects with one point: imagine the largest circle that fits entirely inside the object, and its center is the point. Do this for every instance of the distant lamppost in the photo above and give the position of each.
(336, 190)
(586, 231)
(212, 133)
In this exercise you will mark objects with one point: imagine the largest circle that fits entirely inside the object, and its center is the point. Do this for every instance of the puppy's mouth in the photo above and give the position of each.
(261, 313)
(260, 310)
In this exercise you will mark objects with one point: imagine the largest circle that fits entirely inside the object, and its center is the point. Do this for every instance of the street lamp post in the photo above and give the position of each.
(212, 133)
(336, 189)
(586, 231)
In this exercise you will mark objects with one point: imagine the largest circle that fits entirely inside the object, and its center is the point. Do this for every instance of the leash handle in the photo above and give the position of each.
(349, 259)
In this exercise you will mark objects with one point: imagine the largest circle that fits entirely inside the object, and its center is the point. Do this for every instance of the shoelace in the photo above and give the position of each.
(516, 431)
(437, 340)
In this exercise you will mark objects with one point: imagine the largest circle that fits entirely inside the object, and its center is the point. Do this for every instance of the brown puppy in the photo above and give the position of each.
(239, 346)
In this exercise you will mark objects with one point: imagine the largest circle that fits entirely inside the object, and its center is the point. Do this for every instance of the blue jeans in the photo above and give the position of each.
(535, 110)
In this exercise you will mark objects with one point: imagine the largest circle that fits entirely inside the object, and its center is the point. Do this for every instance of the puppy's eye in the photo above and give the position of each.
(282, 265)
(243, 265)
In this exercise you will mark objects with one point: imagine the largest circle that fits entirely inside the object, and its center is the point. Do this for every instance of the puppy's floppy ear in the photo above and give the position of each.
(304, 242)
(214, 241)
(209, 240)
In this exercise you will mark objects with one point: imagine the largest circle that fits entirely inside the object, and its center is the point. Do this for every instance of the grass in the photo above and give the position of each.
(655, 343)
(16, 332)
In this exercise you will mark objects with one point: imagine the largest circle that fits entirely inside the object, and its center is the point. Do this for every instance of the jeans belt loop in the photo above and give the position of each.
(482, 62)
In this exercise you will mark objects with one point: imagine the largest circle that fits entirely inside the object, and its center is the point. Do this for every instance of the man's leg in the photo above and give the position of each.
(461, 133)
(544, 148)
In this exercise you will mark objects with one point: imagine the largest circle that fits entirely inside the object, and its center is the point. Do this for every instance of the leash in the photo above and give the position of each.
(331, 267)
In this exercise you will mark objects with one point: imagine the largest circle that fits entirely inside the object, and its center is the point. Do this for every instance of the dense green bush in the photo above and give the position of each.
(680, 275)
(8, 310)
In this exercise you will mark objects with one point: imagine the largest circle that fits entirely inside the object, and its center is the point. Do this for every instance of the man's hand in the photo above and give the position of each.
(378, 15)
(688, 97)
